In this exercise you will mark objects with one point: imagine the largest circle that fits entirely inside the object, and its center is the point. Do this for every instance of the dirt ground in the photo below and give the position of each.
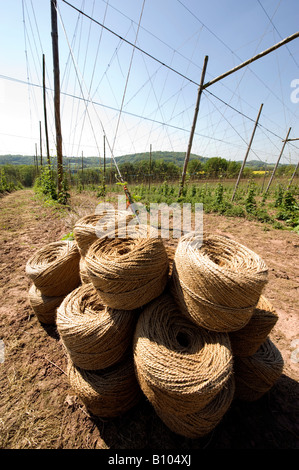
(38, 410)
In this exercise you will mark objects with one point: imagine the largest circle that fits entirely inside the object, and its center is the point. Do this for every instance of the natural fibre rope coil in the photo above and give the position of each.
(87, 228)
(95, 336)
(200, 423)
(217, 281)
(106, 393)
(44, 307)
(128, 272)
(180, 366)
(255, 375)
(83, 271)
(54, 268)
(247, 340)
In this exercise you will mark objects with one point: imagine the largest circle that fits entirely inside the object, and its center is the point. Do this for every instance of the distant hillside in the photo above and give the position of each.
(16, 160)
(176, 157)
(92, 162)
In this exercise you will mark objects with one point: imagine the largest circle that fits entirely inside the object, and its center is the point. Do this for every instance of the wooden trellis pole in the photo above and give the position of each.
(82, 169)
(150, 168)
(293, 175)
(40, 144)
(104, 176)
(45, 111)
(275, 168)
(199, 93)
(36, 160)
(57, 93)
(253, 59)
(247, 152)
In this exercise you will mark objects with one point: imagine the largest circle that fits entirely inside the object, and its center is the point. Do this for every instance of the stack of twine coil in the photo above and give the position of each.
(190, 350)
(247, 340)
(109, 392)
(54, 268)
(44, 307)
(85, 229)
(255, 375)
(128, 272)
(200, 423)
(95, 336)
(83, 271)
(181, 368)
(217, 282)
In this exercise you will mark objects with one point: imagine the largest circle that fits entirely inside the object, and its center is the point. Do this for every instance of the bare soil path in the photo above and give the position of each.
(37, 407)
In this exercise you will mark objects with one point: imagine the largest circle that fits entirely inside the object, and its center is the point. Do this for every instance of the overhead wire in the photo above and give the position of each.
(159, 123)
(163, 123)
(271, 21)
(127, 192)
(130, 43)
(26, 58)
(128, 76)
(162, 63)
(80, 79)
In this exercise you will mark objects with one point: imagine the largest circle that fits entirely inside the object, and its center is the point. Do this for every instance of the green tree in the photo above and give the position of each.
(194, 167)
(216, 166)
(233, 169)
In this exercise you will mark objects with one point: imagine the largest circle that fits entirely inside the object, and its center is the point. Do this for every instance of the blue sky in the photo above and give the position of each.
(109, 88)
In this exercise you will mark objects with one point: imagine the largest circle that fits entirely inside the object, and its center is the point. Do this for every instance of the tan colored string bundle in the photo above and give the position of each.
(128, 272)
(83, 271)
(87, 229)
(44, 307)
(180, 367)
(95, 336)
(255, 375)
(54, 268)
(247, 340)
(217, 283)
(199, 424)
(106, 393)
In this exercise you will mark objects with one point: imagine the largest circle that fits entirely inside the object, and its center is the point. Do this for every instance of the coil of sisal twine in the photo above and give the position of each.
(247, 340)
(54, 268)
(106, 393)
(44, 307)
(95, 336)
(180, 367)
(128, 272)
(218, 282)
(87, 229)
(199, 424)
(255, 375)
(83, 271)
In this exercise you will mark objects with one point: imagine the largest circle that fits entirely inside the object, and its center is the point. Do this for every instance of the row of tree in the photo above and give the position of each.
(140, 172)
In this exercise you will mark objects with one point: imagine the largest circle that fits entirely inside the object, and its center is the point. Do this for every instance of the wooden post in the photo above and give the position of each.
(40, 144)
(45, 111)
(248, 149)
(82, 170)
(36, 160)
(193, 124)
(150, 168)
(57, 93)
(249, 61)
(275, 168)
(293, 175)
(264, 178)
(110, 173)
(104, 178)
